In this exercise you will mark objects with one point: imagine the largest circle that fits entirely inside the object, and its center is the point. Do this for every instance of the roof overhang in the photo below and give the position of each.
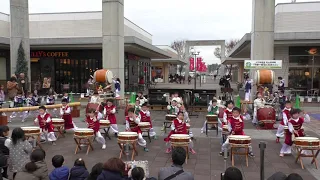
(170, 60)
(229, 60)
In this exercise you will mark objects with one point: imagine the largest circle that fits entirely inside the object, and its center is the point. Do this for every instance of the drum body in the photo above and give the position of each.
(127, 137)
(102, 76)
(94, 106)
(264, 76)
(56, 122)
(225, 130)
(170, 117)
(104, 123)
(307, 142)
(239, 140)
(31, 131)
(266, 117)
(83, 133)
(221, 112)
(144, 126)
(212, 118)
(286, 129)
(179, 139)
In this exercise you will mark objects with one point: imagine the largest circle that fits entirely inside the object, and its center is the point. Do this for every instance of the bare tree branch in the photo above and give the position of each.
(229, 46)
(179, 46)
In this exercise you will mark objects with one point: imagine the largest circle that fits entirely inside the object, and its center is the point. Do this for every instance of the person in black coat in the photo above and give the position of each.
(79, 170)
(114, 169)
(95, 171)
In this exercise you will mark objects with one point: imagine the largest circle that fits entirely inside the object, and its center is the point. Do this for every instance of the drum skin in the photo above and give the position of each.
(31, 131)
(310, 142)
(126, 138)
(212, 118)
(264, 76)
(104, 123)
(239, 141)
(266, 117)
(225, 130)
(102, 76)
(179, 139)
(84, 133)
(170, 117)
(145, 126)
(93, 106)
(57, 122)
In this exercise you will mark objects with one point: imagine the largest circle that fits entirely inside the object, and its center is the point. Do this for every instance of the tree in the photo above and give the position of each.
(229, 46)
(180, 47)
(22, 64)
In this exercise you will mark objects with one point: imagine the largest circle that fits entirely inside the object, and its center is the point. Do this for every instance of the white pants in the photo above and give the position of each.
(114, 128)
(22, 115)
(48, 136)
(203, 129)
(100, 139)
(255, 120)
(141, 141)
(152, 132)
(117, 93)
(280, 132)
(286, 149)
(247, 95)
(225, 146)
(190, 144)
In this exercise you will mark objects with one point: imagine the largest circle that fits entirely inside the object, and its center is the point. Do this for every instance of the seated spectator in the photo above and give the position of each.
(95, 171)
(4, 148)
(36, 169)
(79, 170)
(294, 176)
(114, 169)
(278, 176)
(233, 173)
(138, 173)
(60, 172)
(176, 171)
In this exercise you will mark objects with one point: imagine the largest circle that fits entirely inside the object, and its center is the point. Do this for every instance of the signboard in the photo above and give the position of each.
(263, 64)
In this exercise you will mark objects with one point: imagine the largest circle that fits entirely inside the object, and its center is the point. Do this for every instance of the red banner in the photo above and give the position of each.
(199, 63)
(191, 65)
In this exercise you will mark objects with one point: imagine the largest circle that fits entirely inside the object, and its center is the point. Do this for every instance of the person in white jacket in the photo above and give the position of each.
(258, 103)
(141, 98)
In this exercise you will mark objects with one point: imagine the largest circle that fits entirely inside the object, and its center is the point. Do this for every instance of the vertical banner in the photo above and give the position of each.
(199, 63)
(191, 64)
(203, 67)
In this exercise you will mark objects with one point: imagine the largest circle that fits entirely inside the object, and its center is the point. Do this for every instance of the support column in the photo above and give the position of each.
(19, 27)
(113, 38)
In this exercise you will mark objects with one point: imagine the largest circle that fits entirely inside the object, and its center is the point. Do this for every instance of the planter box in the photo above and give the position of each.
(309, 99)
(302, 99)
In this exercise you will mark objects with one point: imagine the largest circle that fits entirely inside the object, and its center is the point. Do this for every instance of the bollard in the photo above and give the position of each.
(262, 146)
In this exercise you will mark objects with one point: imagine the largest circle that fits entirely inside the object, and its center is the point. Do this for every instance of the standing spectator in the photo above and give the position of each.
(12, 87)
(114, 169)
(36, 169)
(4, 148)
(2, 95)
(294, 176)
(20, 150)
(233, 173)
(79, 170)
(23, 83)
(60, 172)
(189, 79)
(176, 171)
(95, 172)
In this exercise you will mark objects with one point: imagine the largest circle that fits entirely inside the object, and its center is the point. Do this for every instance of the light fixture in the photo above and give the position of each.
(192, 50)
(306, 73)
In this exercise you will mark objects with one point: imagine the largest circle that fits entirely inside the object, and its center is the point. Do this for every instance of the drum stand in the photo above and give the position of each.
(166, 124)
(59, 130)
(83, 141)
(36, 139)
(106, 132)
(234, 151)
(313, 155)
(124, 150)
(212, 123)
(148, 134)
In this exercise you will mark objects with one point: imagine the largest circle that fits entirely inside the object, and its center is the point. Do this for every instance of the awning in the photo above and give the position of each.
(229, 60)
(170, 60)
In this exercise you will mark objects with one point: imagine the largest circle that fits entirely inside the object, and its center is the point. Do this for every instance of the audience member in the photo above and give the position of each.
(176, 171)
(294, 176)
(113, 169)
(20, 150)
(138, 173)
(79, 170)
(36, 169)
(233, 173)
(4, 148)
(278, 176)
(95, 171)
(60, 172)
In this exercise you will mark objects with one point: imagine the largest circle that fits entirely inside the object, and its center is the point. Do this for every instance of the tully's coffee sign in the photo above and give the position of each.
(38, 54)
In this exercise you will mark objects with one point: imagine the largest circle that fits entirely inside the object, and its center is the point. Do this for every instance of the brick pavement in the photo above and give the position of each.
(206, 164)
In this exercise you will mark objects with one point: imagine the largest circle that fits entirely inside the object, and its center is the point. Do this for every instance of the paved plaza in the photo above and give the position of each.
(206, 164)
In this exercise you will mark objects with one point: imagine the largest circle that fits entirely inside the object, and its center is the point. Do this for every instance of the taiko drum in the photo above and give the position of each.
(239, 140)
(264, 76)
(212, 118)
(307, 142)
(31, 131)
(170, 117)
(102, 76)
(266, 117)
(127, 137)
(83, 133)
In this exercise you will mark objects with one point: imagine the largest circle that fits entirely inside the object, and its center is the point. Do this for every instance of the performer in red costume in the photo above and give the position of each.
(92, 120)
(295, 128)
(45, 124)
(285, 117)
(145, 116)
(227, 112)
(109, 113)
(65, 112)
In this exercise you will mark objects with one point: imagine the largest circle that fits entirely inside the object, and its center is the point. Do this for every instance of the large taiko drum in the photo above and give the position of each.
(179, 139)
(94, 106)
(307, 142)
(83, 133)
(239, 140)
(102, 76)
(31, 131)
(264, 76)
(266, 117)
(127, 137)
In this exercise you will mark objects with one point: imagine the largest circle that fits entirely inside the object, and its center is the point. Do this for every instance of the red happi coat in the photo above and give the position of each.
(180, 127)
(287, 112)
(110, 116)
(44, 125)
(145, 118)
(133, 125)
(68, 124)
(229, 115)
(237, 125)
(95, 125)
(296, 126)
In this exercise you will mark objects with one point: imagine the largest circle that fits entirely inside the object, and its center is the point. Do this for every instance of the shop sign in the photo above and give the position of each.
(38, 54)
(263, 64)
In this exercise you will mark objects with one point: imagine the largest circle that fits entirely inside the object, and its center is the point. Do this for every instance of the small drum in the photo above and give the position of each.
(104, 123)
(239, 140)
(127, 137)
(179, 139)
(266, 117)
(212, 118)
(144, 126)
(83, 133)
(286, 129)
(56, 122)
(31, 131)
(225, 130)
(307, 142)
(170, 117)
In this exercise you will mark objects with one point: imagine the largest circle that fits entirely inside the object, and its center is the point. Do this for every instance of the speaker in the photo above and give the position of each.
(202, 96)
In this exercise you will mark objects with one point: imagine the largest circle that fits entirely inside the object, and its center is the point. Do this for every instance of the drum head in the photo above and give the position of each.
(225, 126)
(171, 115)
(239, 137)
(307, 139)
(128, 134)
(30, 128)
(104, 121)
(109, 76)
(180, 136)
(83, 129)
(285, 127)
(144, 123)
(57, 120)
(211, 115)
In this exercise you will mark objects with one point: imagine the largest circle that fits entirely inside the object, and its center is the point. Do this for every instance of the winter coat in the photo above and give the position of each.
(110, 175)
(78, 173)
(41, 173)
(61, 173)
(12, 88)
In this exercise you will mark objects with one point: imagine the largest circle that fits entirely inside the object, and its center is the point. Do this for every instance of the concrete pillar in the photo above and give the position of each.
(19, 27)
(187, 60)
(113, 38)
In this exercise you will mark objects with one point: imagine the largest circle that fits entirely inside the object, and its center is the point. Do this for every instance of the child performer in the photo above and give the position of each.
(177, 99)
(257, 103)
(248, 86)
(30, 102)
(137, 107)
(132, 122)
(45, 123)
(109, 113)
(295, 127)
(141, 98)
(51, 101)
(93, 123)
(186, 118)
(178, 126)
(19, 101)
(144, 116)
(65, 112)
(213, 109)
(285, 116)
(227, 112)
(173, 108)
(235, 126)
(66, 96)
